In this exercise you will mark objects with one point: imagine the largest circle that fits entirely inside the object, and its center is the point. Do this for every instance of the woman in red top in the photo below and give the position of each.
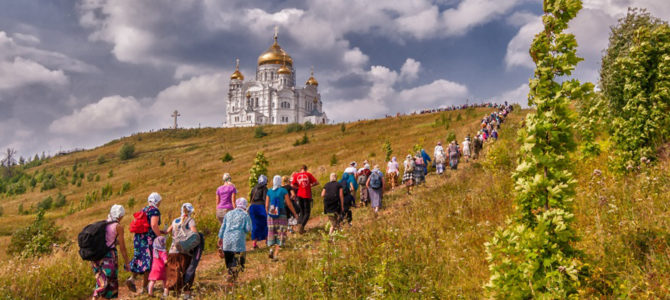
(304, 181)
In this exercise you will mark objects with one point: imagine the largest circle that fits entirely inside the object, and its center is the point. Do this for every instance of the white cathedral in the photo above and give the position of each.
(272, 98)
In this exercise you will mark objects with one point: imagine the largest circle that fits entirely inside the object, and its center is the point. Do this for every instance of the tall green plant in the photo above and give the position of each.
(533, 256)
(388, 151)
(260, 167)
(643, 123)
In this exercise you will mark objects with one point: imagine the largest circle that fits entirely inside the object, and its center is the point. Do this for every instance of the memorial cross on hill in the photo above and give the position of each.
(175, 114)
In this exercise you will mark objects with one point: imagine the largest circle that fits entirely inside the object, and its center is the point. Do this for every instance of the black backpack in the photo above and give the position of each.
(92, 241)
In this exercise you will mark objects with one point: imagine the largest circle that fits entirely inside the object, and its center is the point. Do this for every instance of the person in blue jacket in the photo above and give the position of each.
(426, 160)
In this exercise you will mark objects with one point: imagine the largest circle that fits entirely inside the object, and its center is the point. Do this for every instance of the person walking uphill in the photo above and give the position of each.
(107, 269)
(333, 202)
(363, 174)
(277, 205)
(257, 212)
(180, 260)
(375, 186)
(225, 197)
(304, 181)
(392, 171)
(408, 173)
(145, 226)
(348, 189)
(232, 237)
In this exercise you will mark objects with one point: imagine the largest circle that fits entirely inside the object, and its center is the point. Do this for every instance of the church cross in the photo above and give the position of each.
(175, 114)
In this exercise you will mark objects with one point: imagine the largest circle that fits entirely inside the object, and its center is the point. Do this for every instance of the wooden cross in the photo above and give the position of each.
(175, 114)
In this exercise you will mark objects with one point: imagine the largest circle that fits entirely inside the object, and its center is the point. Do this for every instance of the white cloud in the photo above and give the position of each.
(383, 98)
(471, 13)
(27, 38)
(355, 58)
(410, 69)
(21, 72)
(517, 95)
(110, 113)
(517, 48)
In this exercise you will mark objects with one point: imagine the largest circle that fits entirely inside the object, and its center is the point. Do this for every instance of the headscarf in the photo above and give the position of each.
(189, 209)
(394, 159)
(226, 177)
(241, 203)
(367, 167)
(154, 199)
(159, 245)
(376, 169)
(115, 213)
(276, 182)
(262, 180)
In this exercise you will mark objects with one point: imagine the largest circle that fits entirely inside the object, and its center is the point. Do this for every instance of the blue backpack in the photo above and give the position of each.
(375, 181)
(276, 204)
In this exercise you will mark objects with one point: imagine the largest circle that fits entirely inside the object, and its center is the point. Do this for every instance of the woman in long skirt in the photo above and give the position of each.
(408, 175)
(259, 218)
(376, 194)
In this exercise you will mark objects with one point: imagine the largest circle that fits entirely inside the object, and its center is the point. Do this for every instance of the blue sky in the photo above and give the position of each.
(77, 73)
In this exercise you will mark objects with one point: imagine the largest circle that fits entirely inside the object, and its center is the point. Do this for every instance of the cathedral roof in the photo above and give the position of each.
(284, 70)
(275, 55)
(311, 80)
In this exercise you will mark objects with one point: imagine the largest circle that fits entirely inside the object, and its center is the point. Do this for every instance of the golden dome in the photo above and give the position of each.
(311, 80)
(284, 70)
(275, 55)
(237, 74)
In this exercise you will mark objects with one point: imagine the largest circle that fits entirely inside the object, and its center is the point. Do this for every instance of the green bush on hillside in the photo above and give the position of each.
(127, 151)
(101, 160)
(124, 188)
(333, 160)
(60, 201)
(45, 204)
(308, 125)
(260, 167)
(293, 127)
(226, 157)
(259, 133)
(304, 140)
(37, 238)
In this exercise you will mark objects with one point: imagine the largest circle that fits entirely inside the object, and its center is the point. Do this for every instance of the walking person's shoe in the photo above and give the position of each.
(272, 253)
(131, 285)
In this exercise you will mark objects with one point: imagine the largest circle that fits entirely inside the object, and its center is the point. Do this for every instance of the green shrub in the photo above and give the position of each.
(293, 127)
(48, 184)
(343, 127)
(45, 204)
(21, 211)
(162, 162)
(451, 136)
(259, 133)
(226, 158)
(131, 202)
(124, 188)
(1, 211)
(304, 140)
(37, 238)
(90, 177)
(500, 156)
(101, 160)
(388, 151)
(60, 201)
(308, 125)
(110, 174)
(260, 167)
(106, 191)
(97, 177)
(333, 160)
(127, 151)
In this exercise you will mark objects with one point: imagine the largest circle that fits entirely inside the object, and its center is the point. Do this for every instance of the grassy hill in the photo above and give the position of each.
(430, 244)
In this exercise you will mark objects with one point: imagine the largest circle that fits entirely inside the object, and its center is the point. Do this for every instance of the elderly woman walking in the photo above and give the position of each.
(143, 241)
(178, 262)
(277, 205)
(392, 171)
(257, 212)
(232, 237)
(408, 173)
(375, 186)
(225, 197)
(107, 269)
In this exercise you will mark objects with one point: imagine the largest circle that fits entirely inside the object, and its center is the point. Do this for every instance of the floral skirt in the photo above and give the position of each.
(142, 257)
(107, 275)
(277, 228)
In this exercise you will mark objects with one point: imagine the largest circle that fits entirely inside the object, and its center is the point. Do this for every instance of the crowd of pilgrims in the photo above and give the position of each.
(273, 211)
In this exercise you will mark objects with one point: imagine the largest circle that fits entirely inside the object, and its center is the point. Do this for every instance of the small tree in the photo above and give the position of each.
(387, 150)
(343, 127)
(533, 256)
(226, 158)
(101, 159)
(9, 161)
(260, 167)
(127, 151)
(333, 160)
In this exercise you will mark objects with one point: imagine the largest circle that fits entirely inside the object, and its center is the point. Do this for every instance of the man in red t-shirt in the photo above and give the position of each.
(304, 181)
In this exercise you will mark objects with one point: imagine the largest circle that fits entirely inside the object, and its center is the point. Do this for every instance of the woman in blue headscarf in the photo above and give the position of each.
(348, 189)
(259, 222)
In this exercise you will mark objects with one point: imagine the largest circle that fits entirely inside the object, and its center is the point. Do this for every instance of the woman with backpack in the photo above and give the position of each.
(107, 269)
(453, 155)
(259, 222)
(408, 174)
(348, 189)
(375, 186)
(276, 204)
(419, 166)
(292, 195)
(179, 259)
(145, 226)
(363, 174)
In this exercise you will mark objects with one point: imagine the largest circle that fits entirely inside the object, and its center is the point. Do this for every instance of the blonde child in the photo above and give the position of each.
(158, 263)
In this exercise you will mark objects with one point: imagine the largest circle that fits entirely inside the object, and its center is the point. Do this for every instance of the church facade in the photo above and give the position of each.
(272, 97)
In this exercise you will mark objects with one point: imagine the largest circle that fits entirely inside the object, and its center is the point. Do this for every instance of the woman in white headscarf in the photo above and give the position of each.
(259, 222)
(232, 238)
(276, 204)
(178, 262)
(107, 269)
(143, 242)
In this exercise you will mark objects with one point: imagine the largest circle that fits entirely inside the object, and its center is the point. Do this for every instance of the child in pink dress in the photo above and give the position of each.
(158, 263)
